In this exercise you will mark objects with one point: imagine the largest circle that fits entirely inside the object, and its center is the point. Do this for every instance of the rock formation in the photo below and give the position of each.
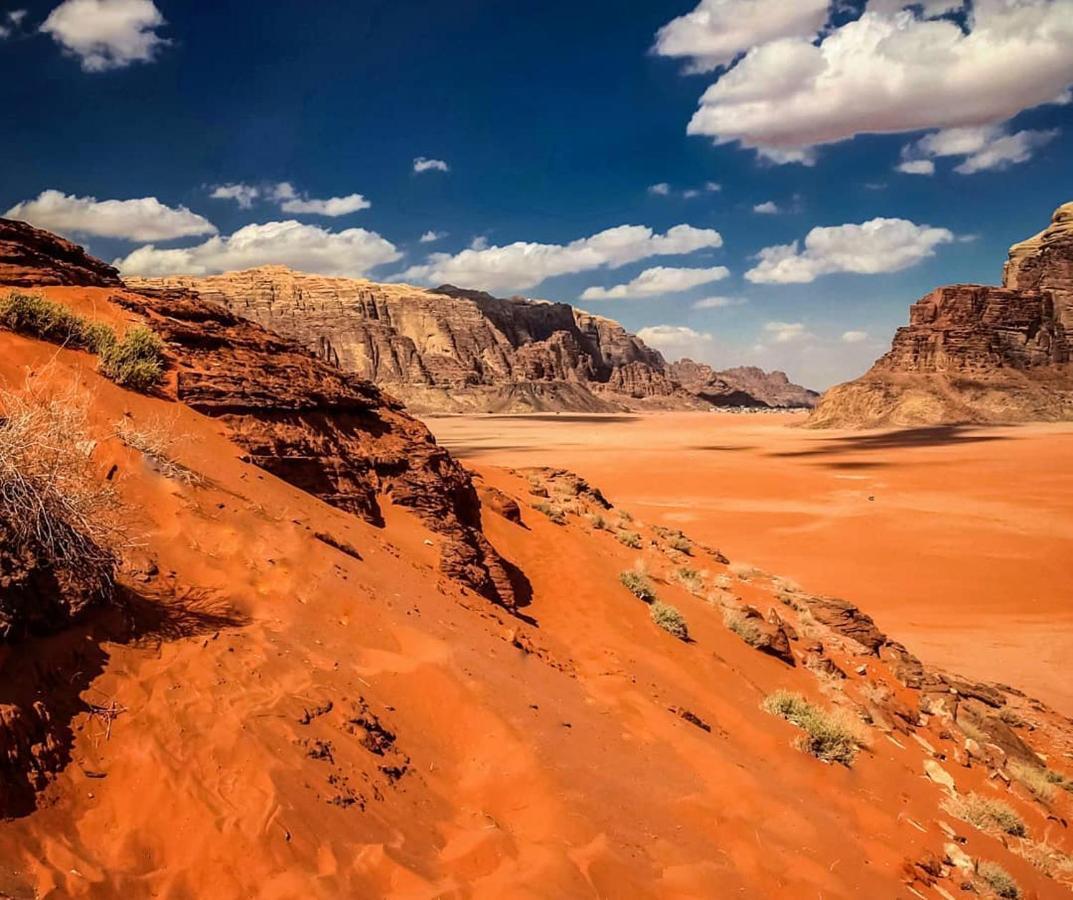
(30, 257)
(742, 386)
(976, 353)
(455, 350)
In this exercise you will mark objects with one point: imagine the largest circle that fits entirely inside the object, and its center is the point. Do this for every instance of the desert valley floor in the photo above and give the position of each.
(958, 540)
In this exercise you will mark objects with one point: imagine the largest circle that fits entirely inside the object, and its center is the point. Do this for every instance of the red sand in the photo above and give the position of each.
(959, 541)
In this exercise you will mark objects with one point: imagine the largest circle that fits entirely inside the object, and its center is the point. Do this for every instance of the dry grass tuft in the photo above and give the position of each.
(999, 880)
(986, 813)
(638, 584)
(670, 620)
(156, 441)
(830, 736)
(1036, 780)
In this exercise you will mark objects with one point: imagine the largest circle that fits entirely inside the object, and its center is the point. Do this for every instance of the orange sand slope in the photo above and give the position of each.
(958, 540)
(272, 716)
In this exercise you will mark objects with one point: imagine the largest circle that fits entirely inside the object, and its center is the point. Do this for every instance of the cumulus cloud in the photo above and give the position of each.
(106, 34)
(786, 332)
(916, 167)
(290, 200)
(854, 337)
(985, 148)
(663, 189)
(716, 31)
(767, 208)
(676, 340)
(656, 281)
(421, 164)
(524, 264)
(890, 71)
(430, 237)
(308, 248)
(144, 219)
(879, 245)
(242, 194)
(718, 302)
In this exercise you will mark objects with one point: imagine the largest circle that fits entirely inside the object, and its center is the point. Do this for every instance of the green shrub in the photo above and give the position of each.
(136, 362)
(39, 317)
(986, 814)
(552, 512)
(999, 880)
(832, 737)
(97, 337)
(670, 620)
(638, 585)
(630, 538)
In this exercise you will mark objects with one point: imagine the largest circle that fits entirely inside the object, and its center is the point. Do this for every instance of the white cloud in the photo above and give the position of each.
(430, 237)
(290, 200)
(879, 245)
(985, 148)
(106, 34)
(718, 302)
(304, 247)
(768, 208)
(675, 340)
(916, 167)
(716, 31)
(660, 190)
(524, 264)
(144, 219)
(786, 332)
(854, 337)
(333, 206)
(658, 280)
(242, 194)
(421, 164)
(663, 189)
(12, 20)
(890, 72)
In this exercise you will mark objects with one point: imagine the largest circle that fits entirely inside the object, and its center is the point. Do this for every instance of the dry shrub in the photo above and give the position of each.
(999, 880)
(638, 584)
(830, 736)
(670, 620)
(155, 439)
(986, 813)
(57, 515)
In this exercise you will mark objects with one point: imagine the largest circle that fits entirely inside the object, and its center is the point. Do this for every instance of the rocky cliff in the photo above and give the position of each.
(977, 353)
(742, 386)
(455, 350)
(30, 257)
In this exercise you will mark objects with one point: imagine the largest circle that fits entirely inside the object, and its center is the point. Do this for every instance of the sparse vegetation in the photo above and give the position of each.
(670, 620)
(999, 880)
(691, 580)
(986, 813)
(136, 361)
(155, 441)
(744, 628)
(598, 522)
(630, 538)
(638, 584)
(830, 736)
(1051, 861)
(552, 512)
(53, 506)
(1036, 780)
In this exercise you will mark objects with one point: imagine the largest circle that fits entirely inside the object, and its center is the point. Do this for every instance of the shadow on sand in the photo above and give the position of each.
(931, 436)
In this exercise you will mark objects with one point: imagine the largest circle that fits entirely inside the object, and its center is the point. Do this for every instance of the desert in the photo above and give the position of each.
(464, 451)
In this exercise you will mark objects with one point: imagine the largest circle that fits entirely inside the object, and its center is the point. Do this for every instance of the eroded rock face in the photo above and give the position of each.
(742, 386)
(327, 432)
(976, 353)
(30, 257)
(456, 350)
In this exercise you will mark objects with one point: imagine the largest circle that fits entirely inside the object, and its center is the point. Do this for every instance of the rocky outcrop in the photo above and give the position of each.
(742, 386)
(30, 257)
(976, 353)
(329, 433)
(455, 350)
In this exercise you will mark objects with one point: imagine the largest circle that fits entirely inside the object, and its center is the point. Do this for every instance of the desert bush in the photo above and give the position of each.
(744, 628)
(155, 440)
(999, 880)
(37, 316)
(830, 736)
(598, 522)
(986, 813)
(637, 583)
(691, 580)
(670, 620)
(1036, 780)
(630, 538)
(54, 509)
(136, 361)
(552, 512)
(1051, 861)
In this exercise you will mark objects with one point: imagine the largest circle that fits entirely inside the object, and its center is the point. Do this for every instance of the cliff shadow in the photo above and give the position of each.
(44, 680)
(908, 438)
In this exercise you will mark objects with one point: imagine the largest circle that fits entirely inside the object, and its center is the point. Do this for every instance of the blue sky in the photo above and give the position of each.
(557, 122)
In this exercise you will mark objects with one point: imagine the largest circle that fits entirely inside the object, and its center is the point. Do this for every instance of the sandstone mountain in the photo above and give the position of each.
(976, 353)
(455, 350)
(742, 386)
